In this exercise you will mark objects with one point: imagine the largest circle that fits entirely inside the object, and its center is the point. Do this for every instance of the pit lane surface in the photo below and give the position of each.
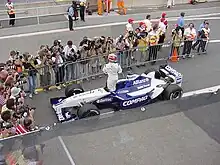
(167, 133)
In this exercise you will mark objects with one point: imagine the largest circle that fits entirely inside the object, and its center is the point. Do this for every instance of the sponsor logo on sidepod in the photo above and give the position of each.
(135, 101)
(140, 81)
(104, 100)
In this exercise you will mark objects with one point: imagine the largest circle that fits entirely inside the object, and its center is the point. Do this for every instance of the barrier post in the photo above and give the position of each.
(38, 19)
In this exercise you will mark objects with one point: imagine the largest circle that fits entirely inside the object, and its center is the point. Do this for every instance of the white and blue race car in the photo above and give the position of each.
(131, 92)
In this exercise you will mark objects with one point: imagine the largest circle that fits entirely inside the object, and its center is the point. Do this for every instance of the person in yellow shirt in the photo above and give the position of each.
(121, 7)
(152, 39)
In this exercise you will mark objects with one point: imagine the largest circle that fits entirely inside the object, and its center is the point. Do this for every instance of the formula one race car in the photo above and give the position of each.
(131, 92)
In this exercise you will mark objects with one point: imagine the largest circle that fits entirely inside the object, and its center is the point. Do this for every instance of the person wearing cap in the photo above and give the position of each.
(112, 69)
(129, 26)
(181, 22)
(170, 3)
(162, 26)
(164, 19)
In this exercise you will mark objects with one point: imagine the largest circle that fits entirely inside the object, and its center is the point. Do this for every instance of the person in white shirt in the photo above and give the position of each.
(189, 37)
(112, 69)
(129, 26)
(161, 32)
(148, 23)
(11, 12)
(58, 68)
(70, 54)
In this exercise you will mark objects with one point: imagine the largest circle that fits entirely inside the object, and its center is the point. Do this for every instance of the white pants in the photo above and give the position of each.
(170, 3)
(111, 83)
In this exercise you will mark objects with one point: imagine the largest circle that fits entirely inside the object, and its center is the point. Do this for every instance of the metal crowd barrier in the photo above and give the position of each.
(91, 68)
(50, 76)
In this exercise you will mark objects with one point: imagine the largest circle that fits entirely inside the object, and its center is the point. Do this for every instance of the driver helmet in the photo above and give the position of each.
(112, 58)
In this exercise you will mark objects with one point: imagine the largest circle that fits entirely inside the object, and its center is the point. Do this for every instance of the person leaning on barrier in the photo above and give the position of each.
(58, 66)
(110, 45)
(29, 63)
(100, 46)
(70, 54)
(152, 39)
(44, 67)
(189, 37)
(204, 38)
(83, 65)
(120, 48)
(176, 39)
(94, 59)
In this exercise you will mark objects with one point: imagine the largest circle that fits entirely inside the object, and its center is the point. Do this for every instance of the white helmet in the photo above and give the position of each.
(112, 57)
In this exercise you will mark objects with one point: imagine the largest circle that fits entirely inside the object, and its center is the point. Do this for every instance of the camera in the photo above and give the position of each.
(24, 111)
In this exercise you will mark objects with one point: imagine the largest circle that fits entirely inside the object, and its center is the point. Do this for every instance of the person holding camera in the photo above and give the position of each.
(84, 51)
(44, 67)
(29, 63)
(58, 66)
(70, 54)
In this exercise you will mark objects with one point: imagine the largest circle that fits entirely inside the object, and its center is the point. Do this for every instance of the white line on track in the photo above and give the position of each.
(66, 150)
(193, 17)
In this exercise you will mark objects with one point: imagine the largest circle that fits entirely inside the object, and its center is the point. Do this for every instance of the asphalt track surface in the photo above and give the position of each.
(186, 132)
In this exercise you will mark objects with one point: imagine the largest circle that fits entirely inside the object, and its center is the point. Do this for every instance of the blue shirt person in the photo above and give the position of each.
(70, 13)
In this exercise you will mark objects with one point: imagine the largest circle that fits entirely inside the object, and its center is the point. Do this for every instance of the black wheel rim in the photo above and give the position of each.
(175, 95)
(92, 113)
(77, 91)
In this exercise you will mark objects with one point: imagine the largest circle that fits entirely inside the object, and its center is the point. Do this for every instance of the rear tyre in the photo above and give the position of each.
(73, 89)
(172, 92)
(87, 110)
(157, 73)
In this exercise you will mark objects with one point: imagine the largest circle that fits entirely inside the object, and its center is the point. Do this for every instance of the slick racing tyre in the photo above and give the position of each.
(88, 110)
(172, 92)
(73, 89)
(157, 73)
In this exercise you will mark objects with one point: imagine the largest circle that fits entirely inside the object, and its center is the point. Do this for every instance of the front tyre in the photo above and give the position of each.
(172, 92)
(73, 89)
(87, 110)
